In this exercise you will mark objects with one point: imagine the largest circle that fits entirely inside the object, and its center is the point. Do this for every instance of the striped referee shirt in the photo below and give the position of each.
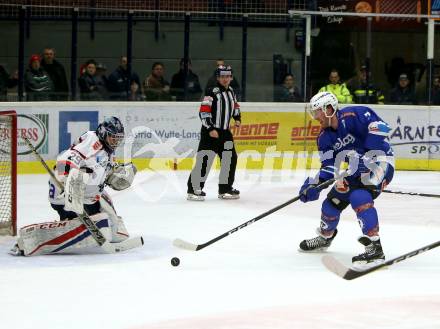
(217, 108)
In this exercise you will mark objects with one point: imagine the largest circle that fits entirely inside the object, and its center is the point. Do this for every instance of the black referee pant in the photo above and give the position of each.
(223, 146)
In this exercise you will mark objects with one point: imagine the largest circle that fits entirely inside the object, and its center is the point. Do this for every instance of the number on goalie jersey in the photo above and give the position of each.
(93, 153)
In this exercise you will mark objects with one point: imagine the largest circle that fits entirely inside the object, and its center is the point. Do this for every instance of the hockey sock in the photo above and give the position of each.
(362, 203)
(329, 216)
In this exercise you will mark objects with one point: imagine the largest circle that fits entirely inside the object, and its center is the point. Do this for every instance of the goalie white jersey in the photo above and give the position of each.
(82, 172)
(88, 154)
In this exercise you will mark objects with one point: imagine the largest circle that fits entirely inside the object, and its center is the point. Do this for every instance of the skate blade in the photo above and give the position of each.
(228, 197)
(363, 265)
(314, 251)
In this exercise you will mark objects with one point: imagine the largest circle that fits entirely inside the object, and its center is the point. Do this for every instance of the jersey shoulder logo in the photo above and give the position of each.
(379, 128)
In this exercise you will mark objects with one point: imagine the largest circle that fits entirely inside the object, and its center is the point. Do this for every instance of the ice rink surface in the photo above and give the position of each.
(253, 279)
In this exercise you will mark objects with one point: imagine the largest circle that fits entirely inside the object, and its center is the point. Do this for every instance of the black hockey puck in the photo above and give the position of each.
(175, 261)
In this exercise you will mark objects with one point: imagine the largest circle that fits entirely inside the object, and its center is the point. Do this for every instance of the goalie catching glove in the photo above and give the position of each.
(121, 177)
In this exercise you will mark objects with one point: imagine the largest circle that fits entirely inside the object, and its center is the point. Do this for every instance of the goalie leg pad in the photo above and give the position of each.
(61, 237)
(119, 232)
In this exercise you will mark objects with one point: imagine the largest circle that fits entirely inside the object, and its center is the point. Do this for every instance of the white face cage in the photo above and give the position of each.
(114, 140)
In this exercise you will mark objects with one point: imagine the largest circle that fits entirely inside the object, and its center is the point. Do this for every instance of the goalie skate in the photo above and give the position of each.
(16, 251)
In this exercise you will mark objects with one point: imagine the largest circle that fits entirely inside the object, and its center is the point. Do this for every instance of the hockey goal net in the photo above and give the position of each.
(8, 173)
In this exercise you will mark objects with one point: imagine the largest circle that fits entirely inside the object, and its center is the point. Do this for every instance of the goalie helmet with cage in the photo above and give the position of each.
(321, 101)
(111, 133)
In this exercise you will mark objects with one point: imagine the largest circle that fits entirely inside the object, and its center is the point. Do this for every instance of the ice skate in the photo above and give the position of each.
(232, 194)
(318, 244)
(16, 251)
(373, 252)
(197, 195)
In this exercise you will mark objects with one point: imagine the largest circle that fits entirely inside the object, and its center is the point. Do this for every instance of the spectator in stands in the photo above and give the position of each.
(38, 85)
(358, 88)
(6, 81)
(394, 69)
(101, 70)
(288, 92)
(135, 94)
(337, 88)
(156, 88)
(212, 81)
(119, 82)
(435, 92)
(403, 93)
(91, 88)
(57, 75)
(193, 89)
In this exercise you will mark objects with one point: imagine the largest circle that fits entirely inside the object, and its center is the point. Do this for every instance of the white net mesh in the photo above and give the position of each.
(230, 10)
(8, 135)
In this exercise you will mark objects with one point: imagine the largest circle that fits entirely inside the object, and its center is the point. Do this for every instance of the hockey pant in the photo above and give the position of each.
(69, 236)
(361, 198)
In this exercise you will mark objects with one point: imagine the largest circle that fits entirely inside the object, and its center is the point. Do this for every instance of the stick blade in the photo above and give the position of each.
(182, 244)
(335, 266)
(124, 245)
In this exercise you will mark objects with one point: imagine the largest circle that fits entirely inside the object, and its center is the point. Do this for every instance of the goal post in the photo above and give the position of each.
(8, 173)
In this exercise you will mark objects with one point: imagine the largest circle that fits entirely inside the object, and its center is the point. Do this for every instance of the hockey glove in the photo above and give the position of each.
(121, 177)
(309, 191)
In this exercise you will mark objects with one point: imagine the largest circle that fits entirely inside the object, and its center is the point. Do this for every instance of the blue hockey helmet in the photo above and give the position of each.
(111, 132)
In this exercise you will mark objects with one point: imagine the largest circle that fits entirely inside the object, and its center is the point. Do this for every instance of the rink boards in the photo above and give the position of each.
(164, 135)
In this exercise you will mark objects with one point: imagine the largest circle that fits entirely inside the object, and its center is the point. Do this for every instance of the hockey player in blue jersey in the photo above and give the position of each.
(357, 135)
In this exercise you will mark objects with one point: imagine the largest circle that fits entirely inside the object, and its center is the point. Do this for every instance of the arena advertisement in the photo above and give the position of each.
(415, 134)
(279, 131)
(35, 128)
(166, 132)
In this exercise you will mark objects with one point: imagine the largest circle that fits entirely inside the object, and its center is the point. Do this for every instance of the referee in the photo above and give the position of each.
(218, 106)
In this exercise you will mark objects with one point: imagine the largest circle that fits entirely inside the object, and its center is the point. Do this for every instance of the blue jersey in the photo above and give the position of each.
(360, 130)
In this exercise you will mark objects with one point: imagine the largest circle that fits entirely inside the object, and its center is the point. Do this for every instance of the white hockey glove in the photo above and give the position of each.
(121, 177)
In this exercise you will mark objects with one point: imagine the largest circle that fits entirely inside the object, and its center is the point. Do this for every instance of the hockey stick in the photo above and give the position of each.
(348, 273)
(85, 219)
(413, 193)
(195, 247)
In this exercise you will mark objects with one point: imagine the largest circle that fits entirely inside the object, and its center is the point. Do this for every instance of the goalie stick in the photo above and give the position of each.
(84, 218)
(195, 247)
(347, 273)
(413, 193)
